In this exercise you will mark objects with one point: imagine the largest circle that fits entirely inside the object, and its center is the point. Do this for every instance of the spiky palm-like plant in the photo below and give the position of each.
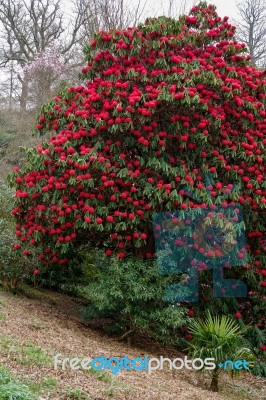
(218, 337)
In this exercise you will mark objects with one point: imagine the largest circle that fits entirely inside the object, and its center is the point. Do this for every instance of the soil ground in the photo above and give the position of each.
(51, 322)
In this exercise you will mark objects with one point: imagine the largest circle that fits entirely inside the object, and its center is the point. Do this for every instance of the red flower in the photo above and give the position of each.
(121, 255)
(36, 272)
(190, 313)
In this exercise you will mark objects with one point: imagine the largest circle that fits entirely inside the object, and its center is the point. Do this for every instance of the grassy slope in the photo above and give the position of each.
(33, 329)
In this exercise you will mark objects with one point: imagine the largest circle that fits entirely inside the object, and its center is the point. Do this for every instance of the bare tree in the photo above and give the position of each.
(251, 28)
(110, 14)
(174, 8)
(28, 28)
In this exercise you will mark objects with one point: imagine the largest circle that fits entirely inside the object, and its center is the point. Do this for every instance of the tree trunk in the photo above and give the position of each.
(43, 84)
(214, 383)
(24, 95)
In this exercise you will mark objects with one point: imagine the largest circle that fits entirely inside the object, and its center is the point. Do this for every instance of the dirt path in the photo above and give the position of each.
(51, 322)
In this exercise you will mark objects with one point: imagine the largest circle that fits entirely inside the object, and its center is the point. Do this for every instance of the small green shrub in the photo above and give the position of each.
(256, 337)
(14, 268)
(80, 272)
(12, 389)
(218, 337)
(6, 134)
(16, 391)
(130, 292)
(5, 139)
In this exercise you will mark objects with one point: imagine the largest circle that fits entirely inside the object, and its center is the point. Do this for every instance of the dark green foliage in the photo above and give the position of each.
(130, 292)
(73, 277)
(13, 267)
(255, 338)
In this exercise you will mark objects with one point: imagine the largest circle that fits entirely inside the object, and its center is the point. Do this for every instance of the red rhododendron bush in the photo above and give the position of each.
(161, 106)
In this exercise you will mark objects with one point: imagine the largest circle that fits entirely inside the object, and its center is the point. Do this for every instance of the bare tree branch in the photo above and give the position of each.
(175, 8)
(251, 28)
(29, 28)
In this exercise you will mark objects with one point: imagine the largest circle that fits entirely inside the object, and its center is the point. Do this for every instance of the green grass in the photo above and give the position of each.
(33, 355)
(13, 389)
(2, 317)
(76, 394)
(104, 376)
(114, 384)
(46, 385)
(16, 391)
(26, 354)
(30, 354)
(117, 386)
(23, 388)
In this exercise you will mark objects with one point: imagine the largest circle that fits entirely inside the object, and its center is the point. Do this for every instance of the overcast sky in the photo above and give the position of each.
(157, 7)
